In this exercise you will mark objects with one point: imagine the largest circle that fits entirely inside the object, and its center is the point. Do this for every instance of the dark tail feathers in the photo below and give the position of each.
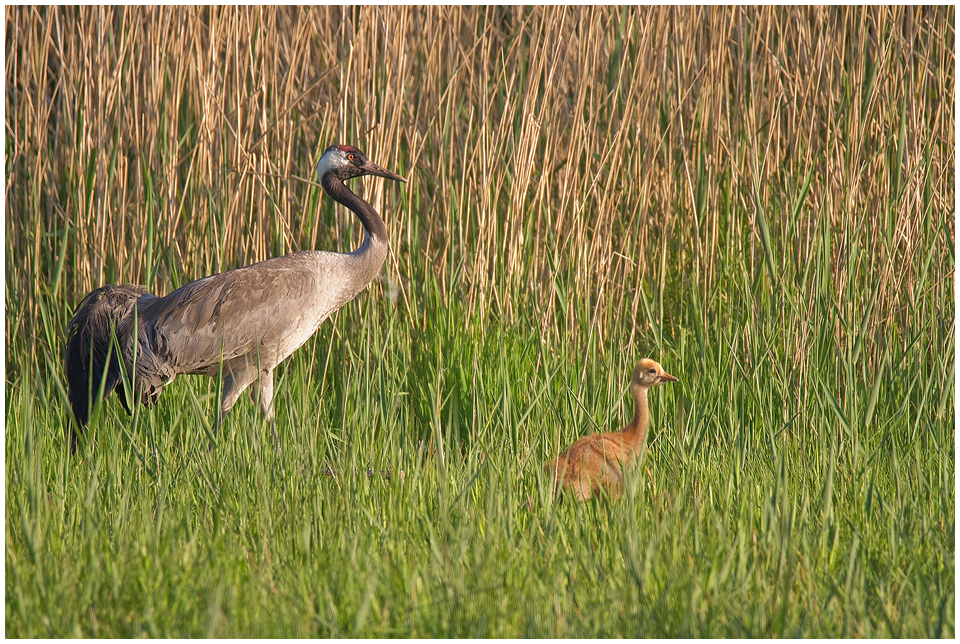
(91, 356)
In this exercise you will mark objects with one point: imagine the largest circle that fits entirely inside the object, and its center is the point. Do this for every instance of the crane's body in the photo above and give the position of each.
(239, 323)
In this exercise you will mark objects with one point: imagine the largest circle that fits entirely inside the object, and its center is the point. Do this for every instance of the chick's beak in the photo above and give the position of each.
(666, 377)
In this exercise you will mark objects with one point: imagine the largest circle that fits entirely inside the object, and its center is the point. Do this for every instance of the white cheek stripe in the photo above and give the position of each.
(328, 161)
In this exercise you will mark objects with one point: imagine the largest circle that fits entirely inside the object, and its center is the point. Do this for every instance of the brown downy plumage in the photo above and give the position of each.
(596, 462)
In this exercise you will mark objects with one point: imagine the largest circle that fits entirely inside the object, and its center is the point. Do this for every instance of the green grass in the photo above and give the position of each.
(760, 199)
(751, 516)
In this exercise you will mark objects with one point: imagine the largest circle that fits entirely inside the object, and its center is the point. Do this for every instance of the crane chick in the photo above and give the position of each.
(239, 323)
(596, 463)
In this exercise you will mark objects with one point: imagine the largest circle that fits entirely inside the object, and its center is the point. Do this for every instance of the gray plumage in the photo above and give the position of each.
(241, 323)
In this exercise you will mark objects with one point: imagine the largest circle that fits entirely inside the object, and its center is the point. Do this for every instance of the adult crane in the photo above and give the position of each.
(239, 323)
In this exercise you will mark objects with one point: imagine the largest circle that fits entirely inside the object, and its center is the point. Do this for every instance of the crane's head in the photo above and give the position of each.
(648, 374)
(345, 162)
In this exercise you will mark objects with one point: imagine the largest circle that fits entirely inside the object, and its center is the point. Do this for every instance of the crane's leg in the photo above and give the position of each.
(238, 379)
(266, 401)
(235, 380)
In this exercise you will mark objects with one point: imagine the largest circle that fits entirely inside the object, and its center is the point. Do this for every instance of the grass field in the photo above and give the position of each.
(760, 199)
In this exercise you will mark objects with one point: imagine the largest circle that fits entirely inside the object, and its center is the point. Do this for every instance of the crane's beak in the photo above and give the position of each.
(372, 168)
(666, 377)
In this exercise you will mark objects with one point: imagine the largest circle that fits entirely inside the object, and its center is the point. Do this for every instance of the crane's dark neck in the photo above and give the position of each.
(365, 213)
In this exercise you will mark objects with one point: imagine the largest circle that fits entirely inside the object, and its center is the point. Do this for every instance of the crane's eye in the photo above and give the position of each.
(349, 157)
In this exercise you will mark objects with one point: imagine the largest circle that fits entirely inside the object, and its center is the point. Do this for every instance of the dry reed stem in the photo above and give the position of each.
(609, 149)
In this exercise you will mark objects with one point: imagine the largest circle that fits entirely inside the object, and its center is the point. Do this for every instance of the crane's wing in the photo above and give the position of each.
(252, 311)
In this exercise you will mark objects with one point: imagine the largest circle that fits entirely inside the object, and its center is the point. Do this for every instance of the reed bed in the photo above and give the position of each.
(760, 198)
